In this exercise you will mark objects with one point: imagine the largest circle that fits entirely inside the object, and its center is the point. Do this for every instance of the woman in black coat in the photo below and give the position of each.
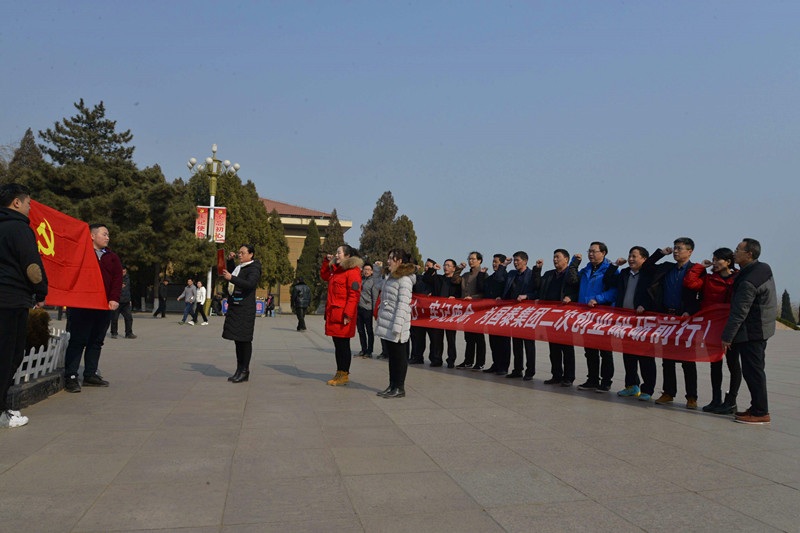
(241, 316)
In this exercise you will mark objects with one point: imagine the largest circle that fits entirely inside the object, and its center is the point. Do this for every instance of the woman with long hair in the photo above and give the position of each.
(241, 316)
(342, 271)
(716, 288)
(394, 319)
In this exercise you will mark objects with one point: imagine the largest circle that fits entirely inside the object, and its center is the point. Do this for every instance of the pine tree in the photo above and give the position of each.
(408, 238)
(86, 137)
(276, 268)
(378, 235)
(309, 262)
(334, 235)
(786, 307)
(28, 154)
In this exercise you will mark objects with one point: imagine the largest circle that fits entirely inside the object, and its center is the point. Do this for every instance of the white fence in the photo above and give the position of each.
(44, 361)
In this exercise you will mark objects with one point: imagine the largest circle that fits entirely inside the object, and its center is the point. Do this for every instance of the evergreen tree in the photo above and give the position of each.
(408, 238)
(786, 307)
(309, 263)
(28, 154)
(86, 137)
(276, 268)
(334, 235)
(378, 235)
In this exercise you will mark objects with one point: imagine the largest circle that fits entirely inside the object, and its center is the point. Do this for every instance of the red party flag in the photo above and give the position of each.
(73, 272)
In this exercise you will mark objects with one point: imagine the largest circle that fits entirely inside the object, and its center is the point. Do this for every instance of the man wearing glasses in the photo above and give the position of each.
(754, 306)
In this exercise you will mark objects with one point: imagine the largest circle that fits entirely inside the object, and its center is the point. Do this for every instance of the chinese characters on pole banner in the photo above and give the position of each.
(220, 216)
(692, 338)
(201, 223)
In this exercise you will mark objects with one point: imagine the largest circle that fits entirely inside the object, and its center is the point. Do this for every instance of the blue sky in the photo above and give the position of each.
(497, 126)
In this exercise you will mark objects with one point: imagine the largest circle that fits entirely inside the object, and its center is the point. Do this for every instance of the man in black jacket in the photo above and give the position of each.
(162, 300)
(632, 285)
(754, 306)
(561, 285)
(668, 295)
(301, 299)
(22, 282)
(124, 308)
(443, 286)
(493, 288)
(418, 333)
(522, 284)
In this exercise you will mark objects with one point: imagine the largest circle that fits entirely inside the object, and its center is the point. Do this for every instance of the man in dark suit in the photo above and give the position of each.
(521, 284)
(561, 285)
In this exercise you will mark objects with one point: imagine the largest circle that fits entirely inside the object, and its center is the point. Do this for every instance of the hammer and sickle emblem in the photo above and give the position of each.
(46, 233)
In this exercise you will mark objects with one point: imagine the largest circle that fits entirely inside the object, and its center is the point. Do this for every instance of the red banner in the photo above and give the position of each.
(220, 216)
(73, 272)
(694, 338)
(201, 223)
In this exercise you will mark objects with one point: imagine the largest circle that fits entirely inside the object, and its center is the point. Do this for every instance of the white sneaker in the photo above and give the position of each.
(190, 323)
(204, 324)
(9, 419)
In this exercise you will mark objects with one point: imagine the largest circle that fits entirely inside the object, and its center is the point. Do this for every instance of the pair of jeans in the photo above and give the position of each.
(188, 310)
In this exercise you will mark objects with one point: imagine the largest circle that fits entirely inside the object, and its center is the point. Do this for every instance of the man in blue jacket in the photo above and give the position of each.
(593, 292)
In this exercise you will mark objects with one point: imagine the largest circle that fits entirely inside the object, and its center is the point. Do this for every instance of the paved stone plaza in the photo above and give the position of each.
(172, 446)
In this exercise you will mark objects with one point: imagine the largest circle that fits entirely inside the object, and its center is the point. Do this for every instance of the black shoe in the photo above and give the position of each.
(527, 378)
(728, 407)
(416, 361)
(396, 392)
(113, 335)
(360, 354)
(552, 381)
(603, 388)
(500, 372)
(515, 374)
(477, 367)
(244, 376)
(451, 365)
(385, 391)
(94, 381)
(131, 336)
(235, 374)
(436, 363)
(715, 404)
(382, 357)
(490, 370)
(464, 365)
(566, 383)
(587, 386)
(71, 384)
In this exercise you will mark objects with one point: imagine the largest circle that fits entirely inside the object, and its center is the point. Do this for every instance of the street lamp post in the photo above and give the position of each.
(214, 167)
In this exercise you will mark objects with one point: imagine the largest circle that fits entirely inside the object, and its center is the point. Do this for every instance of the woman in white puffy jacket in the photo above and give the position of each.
(394, 319)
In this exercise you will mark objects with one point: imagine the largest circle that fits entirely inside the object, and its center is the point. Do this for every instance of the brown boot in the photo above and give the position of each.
(335, 378)
(342, 380)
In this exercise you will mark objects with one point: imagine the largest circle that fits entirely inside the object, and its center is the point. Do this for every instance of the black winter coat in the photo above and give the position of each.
(241, 316)
(21, 271)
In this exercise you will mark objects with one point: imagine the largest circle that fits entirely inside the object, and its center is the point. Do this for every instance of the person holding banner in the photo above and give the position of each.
(593, 292)
(88, 326)
(561, 285)
(472, 283)
(240, 319)
(522, 284)
(443, 286)
(493, 287)
(342, 272)
(671, 297)
(22, 282)
(632, 285)
(394, 319)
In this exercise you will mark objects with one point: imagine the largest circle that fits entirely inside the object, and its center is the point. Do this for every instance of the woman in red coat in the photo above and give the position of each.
(716, 288)
(343, 274)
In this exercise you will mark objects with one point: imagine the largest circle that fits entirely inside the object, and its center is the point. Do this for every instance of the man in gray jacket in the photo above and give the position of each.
(370, 288)
(188, 296)
(754, 306)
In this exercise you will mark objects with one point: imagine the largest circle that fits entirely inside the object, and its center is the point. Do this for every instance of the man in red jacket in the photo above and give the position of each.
(88, 326)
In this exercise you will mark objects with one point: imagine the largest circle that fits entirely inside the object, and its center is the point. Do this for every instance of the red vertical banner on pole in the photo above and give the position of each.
(201, 223)
(220, 217)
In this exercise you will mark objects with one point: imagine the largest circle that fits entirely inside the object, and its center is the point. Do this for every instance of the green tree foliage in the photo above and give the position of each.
(28, 154)
(384, 232)
(275, 260)
(786, 307)
(86, 137)
(334, 235)
(309, 262)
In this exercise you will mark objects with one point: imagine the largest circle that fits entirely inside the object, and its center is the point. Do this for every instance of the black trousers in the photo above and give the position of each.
(501, 352)
(301, 318)
(364, 327)
(562, 361)
(124, 309)
(162, 308)
(87, 332)
(13, 332)
(528, 346)
(199, 309)
(599, 374)
(343, 354)
(671, 379)
(437, 345)
(734, 367)
(753, 354)
(244, 352)
(398, 363)
(475, 353)
(634, 363)
(418, 343)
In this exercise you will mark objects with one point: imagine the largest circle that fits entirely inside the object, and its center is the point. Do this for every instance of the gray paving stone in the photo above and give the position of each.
(474, 521)
(583, 516)
(775, 505)
(383, 460)
(499, 488)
